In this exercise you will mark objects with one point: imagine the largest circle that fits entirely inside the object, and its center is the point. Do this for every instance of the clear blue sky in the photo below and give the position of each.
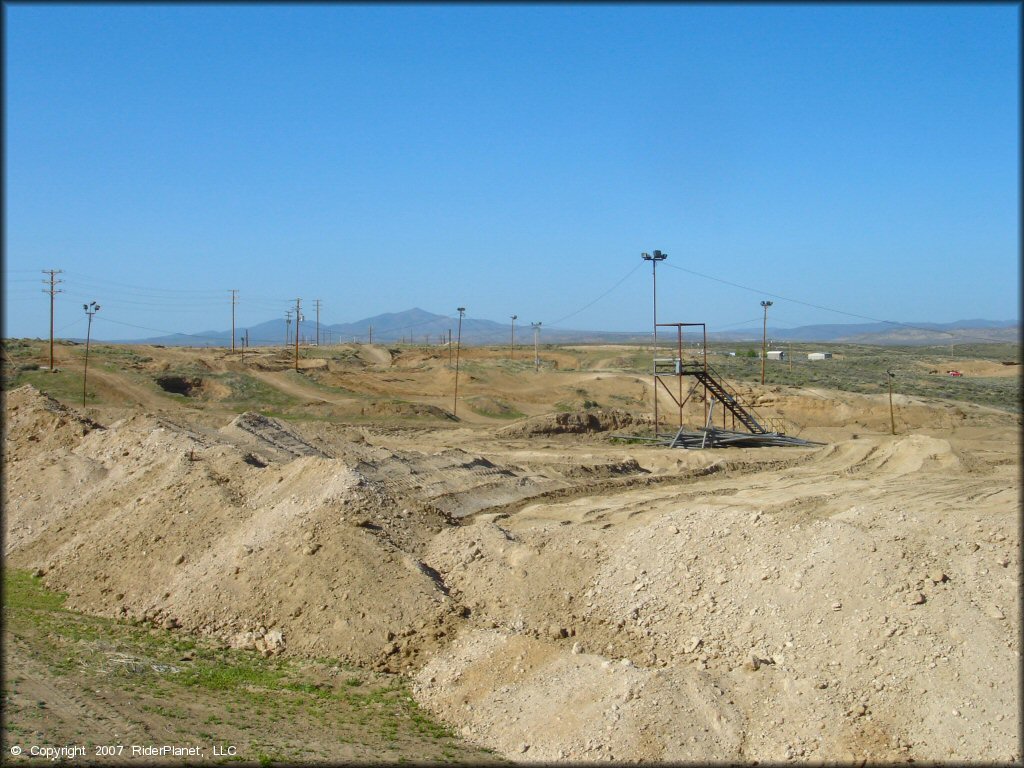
(512, 159)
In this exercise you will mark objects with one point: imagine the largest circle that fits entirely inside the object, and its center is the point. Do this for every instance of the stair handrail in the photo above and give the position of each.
(761, 421)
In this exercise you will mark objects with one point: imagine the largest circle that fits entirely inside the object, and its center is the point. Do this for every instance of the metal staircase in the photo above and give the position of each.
(705, 375)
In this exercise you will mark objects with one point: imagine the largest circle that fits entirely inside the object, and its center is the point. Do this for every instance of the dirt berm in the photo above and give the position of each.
(856, 601)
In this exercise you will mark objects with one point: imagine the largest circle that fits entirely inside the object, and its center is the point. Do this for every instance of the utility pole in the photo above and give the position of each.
(53, 290)
(892, 417)
(654, 258)
(317, 322)
(790, 357)
(536, 345)
(449, 346)
(514, 317)
(455, 407)
(764, 338)
(90, 309)
(298, 319)
(234, 300)
(370, 335)
(287, 326)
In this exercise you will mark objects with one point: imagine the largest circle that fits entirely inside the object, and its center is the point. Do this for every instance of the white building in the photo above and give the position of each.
(819, 356)
(776, 354)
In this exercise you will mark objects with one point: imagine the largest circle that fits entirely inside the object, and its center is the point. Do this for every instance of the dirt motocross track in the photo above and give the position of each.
(555, 596)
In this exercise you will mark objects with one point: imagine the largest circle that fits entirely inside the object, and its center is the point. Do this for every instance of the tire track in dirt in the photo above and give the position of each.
(78, 714)
(281, 381)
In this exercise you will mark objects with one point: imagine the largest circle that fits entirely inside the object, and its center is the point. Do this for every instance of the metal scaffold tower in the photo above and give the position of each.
(760, 431)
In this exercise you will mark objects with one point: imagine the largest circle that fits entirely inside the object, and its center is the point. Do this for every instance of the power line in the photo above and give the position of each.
(592, 303)
(104, 283)
(828, 309)
(159, 330)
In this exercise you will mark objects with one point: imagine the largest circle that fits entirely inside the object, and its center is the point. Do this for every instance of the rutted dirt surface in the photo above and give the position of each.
(560, 596)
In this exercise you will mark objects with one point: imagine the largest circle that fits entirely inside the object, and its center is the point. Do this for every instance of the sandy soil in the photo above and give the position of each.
(563, 596)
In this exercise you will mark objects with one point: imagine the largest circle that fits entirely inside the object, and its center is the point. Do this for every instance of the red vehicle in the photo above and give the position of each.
(954, 373)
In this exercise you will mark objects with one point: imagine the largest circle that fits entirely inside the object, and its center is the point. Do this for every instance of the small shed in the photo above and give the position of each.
(819, 356)
(776, 354)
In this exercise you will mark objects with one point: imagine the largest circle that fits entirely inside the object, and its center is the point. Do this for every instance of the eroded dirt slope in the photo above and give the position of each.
(559, 596)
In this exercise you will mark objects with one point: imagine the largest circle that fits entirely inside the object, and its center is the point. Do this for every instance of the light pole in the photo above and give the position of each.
(458, 349)
(536, 345)
(298, 319)
(514, 317)
(892, 417)
(764, 338)
(654, 258)
(90, 309)
(234, 301)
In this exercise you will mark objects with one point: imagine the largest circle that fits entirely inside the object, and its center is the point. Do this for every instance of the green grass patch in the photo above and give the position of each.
(65, 386)
(274, 710)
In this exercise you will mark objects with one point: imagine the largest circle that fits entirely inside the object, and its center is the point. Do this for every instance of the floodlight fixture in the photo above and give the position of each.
(90, 309)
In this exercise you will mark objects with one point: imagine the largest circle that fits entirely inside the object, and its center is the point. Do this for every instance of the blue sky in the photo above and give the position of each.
(512, 159)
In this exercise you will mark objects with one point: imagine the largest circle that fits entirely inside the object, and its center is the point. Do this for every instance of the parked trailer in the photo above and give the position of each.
(819, 356)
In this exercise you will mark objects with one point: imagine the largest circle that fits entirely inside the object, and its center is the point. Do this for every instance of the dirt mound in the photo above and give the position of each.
(492, 406)
(574, 422)
(403, 408)
(559, 596)
(142, 520)
(270, 434)
(35, 422)
(754, 619)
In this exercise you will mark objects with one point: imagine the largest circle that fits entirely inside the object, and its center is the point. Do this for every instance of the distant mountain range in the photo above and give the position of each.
(422, 327)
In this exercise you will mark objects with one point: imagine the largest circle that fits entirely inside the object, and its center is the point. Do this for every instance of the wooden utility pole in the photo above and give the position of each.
(53, 290)
(370, 335)
(892, 417)
(536, 348)
(287, 326)
(317, 321)
(514, 318)
(234, 300)
(455, 407)
(298, 319)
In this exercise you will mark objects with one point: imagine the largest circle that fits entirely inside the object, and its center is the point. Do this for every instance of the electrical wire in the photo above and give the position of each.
(592, 303)
(828, 309)
(105, 319)
(92, 281)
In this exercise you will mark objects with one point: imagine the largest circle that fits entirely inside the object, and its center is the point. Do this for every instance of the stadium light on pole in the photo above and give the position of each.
(654, 258)
(536, 345)
(90, 309)
(764, 338)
